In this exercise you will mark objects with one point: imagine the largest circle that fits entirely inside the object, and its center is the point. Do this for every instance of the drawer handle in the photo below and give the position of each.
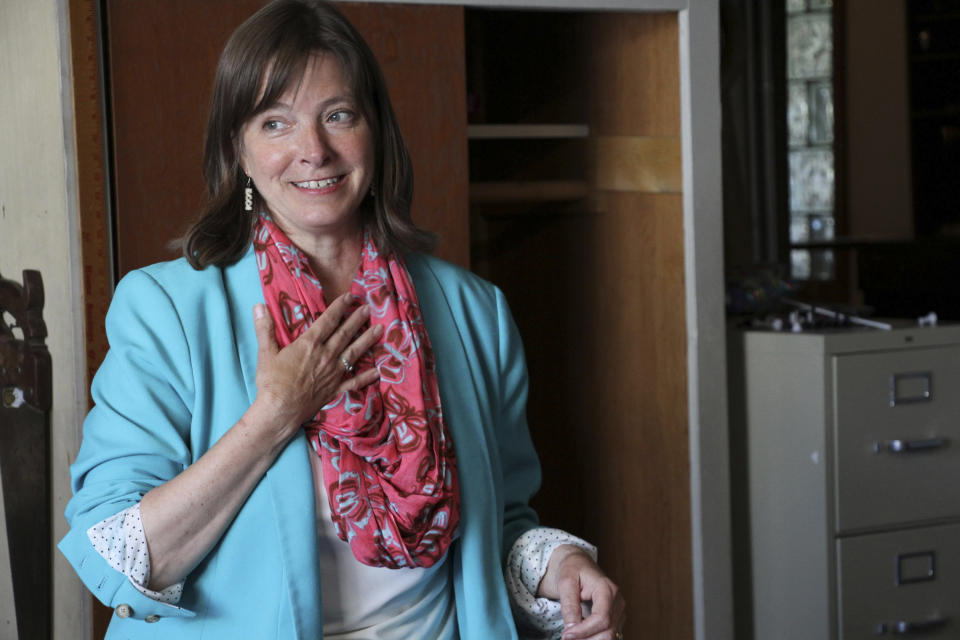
(906, 628)
(909, 446)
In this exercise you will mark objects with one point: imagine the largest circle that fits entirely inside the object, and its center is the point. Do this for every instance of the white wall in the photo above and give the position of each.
(35, 233)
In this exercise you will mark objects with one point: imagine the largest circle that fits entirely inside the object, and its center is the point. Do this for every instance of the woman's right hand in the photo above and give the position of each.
(296, 381)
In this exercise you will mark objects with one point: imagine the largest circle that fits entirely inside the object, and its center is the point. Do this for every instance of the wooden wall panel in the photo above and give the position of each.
(638, 382)
(598, 296)
(634, 67)
(162, 55)
(638, 357)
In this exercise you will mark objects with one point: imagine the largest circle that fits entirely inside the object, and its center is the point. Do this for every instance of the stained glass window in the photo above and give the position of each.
(810, 136)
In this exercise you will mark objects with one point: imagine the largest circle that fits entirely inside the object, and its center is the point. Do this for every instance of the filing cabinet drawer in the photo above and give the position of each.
(900, 584)
(896, 437)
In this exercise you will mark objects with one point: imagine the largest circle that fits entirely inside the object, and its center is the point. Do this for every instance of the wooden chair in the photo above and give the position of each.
(25, 401)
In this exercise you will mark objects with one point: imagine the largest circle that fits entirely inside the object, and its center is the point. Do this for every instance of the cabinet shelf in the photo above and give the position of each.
(533, 191)
(528, 131)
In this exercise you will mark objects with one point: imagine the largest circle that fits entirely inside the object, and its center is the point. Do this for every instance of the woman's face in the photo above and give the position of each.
(310, 155)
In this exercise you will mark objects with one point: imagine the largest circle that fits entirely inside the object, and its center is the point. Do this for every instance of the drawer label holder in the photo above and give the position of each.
(918, 566)
(907, 388)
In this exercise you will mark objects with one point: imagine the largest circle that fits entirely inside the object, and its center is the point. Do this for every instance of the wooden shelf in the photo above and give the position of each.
(529, 131)
(541, 191)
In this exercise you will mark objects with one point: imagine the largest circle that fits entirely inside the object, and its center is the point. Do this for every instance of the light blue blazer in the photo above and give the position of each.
(180, 372)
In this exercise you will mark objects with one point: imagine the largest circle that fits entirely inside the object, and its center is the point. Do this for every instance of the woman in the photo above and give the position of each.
(350, 460)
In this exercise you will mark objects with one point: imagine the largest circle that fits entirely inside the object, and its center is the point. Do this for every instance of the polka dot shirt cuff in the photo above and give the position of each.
(122, 543)
(526, 566)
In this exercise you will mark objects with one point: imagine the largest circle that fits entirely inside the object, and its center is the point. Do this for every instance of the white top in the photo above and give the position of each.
(361, 602)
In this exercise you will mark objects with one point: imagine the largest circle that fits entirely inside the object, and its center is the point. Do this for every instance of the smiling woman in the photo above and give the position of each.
(375, 397)
(262, 85)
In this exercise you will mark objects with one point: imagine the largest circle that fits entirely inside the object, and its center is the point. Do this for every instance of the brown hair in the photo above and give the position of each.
(265, 57)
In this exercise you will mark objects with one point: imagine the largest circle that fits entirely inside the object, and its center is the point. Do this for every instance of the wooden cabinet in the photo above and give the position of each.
(850, 441)
(576, 213)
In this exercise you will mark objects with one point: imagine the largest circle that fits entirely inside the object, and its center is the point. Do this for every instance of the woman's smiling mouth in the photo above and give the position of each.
(318, 184)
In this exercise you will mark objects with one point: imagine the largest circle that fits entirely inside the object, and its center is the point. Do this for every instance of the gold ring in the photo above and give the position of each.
(347, 367)
(618, 635)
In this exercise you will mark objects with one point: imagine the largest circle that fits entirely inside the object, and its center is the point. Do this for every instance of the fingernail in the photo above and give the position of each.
(378, 330)
(259, 310)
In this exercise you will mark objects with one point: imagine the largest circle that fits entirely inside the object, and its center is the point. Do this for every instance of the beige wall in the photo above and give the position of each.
(37, 232)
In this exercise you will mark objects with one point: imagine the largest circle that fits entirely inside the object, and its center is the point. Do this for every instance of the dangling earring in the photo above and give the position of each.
(248, 195)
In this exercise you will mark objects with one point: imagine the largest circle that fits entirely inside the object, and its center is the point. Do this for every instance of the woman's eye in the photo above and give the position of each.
(341, 116)
(272, 125)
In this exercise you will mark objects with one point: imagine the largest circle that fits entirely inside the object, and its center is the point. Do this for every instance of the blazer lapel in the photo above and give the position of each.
(481, 597)
(289, 478)
(243, 287)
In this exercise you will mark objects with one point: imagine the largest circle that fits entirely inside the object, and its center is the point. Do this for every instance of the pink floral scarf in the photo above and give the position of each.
(386, 453)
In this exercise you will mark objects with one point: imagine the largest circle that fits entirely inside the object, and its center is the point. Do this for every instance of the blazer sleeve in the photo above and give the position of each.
(136, 437)
(519, 462)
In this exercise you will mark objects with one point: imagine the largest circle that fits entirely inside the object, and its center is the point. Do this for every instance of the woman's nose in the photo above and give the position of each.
(314, 146)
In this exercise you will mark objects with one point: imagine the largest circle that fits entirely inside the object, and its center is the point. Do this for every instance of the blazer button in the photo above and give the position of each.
(123, 611)
(152, 618)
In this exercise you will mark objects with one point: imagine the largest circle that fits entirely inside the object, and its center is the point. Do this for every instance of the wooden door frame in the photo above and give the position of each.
(91, 175)
(703, 248)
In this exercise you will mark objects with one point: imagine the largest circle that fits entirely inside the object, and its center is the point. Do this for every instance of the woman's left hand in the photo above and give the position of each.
(573, 577)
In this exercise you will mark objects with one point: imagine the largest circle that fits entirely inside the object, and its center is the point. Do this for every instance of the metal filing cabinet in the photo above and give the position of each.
(852, 481)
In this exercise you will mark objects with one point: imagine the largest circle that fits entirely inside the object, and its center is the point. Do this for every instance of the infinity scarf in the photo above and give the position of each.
(386, 453)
